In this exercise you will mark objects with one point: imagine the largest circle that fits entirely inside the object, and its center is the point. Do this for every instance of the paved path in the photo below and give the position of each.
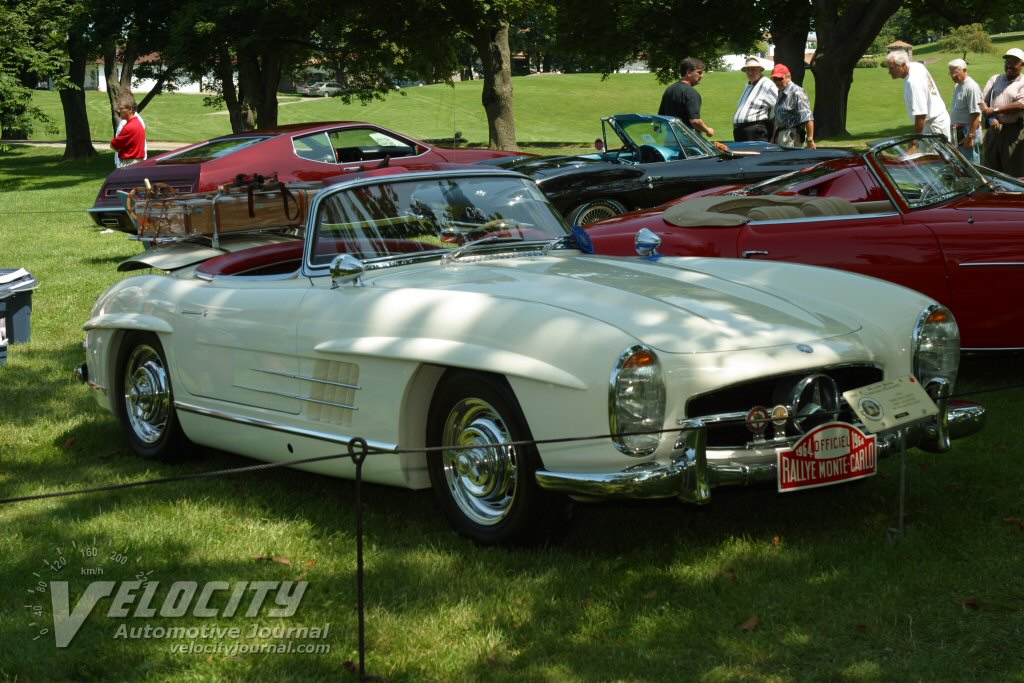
(100, 145)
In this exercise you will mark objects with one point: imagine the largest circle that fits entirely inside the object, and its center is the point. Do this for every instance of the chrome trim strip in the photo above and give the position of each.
(1014, 264)
(296, 397)
(106, 209)
(273, 426)
(309, 379)
(294, 275)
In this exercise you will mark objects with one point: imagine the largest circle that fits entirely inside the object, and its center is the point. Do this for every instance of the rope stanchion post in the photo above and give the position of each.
(357, 451)
(896, 533)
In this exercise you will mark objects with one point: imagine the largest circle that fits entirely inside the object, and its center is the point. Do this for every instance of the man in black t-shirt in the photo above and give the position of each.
(682, 100)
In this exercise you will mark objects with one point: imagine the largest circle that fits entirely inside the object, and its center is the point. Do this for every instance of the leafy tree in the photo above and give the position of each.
(845, 31)
(789, 27)
(125, 32)
(970, 38)
(608, 33)
(27, 57)
(248, 45)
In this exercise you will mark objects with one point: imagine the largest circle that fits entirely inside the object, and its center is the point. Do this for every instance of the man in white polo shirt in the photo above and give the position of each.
(924, 103)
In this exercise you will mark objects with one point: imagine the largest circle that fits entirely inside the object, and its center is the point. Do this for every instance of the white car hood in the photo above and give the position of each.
(668, 307)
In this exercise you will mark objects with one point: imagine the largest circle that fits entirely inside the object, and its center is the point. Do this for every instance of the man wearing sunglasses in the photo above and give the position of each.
(794, 122)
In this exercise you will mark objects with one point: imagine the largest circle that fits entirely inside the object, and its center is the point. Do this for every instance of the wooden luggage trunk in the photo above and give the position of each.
(159, 213)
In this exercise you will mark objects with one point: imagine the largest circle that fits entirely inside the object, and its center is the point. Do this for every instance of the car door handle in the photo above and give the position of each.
(751, 253)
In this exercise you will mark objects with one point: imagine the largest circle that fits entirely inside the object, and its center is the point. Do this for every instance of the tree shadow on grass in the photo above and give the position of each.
(33, 168)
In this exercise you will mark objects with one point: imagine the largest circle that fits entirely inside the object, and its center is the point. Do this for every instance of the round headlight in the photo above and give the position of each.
(636, 401)
(936, 345)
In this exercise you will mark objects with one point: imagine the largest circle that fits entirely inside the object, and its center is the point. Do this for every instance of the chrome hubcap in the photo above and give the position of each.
(147, 394)
(480, 475)
(596, 212)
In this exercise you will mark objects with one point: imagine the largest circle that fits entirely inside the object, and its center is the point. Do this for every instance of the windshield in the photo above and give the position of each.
(926, 171)
(788, 183)
(406, 216)
(213, 149)
(667, 135)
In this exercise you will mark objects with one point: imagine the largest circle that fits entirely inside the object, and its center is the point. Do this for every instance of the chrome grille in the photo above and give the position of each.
(767, 392)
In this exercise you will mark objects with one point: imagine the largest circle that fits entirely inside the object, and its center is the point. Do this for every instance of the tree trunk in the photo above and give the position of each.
(113, 83)
(241, 118)
(845, 30)
(492, 46)
(258, 77)
(78, 144)
(789, 34)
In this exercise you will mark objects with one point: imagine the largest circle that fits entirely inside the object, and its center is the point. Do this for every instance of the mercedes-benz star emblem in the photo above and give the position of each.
(814, 401)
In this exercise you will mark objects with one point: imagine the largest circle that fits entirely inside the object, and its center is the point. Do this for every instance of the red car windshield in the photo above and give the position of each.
(213, 149)
(791, 182)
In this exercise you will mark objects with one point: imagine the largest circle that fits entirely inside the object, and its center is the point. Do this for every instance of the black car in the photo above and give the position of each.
(659, 159)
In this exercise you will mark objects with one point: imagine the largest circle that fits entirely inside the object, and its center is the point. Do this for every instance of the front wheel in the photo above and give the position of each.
(487, 490)
(595, 210)
(144, 401)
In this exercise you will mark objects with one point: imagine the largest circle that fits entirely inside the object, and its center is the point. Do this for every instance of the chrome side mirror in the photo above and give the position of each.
(346, 268)
(647, 243)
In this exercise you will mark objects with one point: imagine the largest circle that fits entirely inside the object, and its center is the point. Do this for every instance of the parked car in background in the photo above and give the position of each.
(644, 160)
(532, 372)
(910, 210)
(320, 89)
(297, 152)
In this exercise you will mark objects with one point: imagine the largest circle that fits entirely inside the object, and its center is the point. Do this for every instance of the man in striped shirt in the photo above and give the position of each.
(757, 105)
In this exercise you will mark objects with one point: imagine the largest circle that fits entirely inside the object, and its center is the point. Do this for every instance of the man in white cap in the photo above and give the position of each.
(924, 103)
(753, 118)
(966, 112)
(1002, 105)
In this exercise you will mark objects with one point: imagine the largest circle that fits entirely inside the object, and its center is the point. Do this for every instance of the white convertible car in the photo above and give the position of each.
(452, 320)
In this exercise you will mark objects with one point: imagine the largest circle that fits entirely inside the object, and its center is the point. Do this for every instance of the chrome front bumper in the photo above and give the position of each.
(691, 476)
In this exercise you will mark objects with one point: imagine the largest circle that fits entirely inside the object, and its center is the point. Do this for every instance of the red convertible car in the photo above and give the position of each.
(911, 210)
(297, 152)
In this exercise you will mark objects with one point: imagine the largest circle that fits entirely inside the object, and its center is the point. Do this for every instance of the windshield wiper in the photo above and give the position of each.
(483, 242)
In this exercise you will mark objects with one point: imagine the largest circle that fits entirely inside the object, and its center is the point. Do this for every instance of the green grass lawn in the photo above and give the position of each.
(550, 110)
(756, 587)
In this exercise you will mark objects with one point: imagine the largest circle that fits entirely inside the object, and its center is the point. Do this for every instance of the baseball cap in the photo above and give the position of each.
(753, 63)
(783, 70)
(1015, 52)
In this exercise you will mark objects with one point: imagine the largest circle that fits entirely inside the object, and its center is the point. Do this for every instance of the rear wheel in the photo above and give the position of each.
(488, 491)
(144, 400)
(595, 210)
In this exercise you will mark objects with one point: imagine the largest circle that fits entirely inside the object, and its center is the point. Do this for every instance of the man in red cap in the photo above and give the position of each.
(794, 122)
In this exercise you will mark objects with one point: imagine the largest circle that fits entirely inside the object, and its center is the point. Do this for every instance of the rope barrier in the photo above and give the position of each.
(400, 451)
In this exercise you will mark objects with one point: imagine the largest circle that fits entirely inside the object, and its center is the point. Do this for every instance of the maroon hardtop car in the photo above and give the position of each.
(911, 210)
(294, 153)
